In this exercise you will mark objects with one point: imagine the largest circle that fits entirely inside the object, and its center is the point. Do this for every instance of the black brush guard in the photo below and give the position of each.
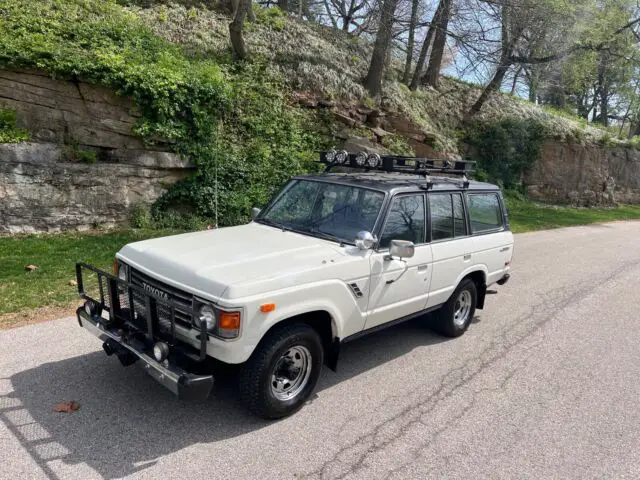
(137, 320)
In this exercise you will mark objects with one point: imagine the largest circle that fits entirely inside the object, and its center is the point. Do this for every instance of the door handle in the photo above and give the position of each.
(422, 268)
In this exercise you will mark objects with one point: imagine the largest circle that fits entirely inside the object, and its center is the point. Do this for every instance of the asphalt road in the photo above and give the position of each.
(545, 384)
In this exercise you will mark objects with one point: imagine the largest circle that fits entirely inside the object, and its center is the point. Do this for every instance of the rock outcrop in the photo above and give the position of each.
(585, 175)
(45, 185)
(41, 192)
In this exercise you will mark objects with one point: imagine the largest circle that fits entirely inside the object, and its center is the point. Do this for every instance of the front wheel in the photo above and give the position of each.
(453, 319)
(282, 372)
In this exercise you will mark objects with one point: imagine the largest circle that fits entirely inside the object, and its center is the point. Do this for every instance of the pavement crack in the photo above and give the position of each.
(351, 458)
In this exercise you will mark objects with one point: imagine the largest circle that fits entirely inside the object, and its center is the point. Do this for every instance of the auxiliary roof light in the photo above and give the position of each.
(374, 160)
(342, 156)
(331, 155)
(361, 158)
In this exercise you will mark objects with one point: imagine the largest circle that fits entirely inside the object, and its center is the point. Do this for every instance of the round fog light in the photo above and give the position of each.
(160, 351)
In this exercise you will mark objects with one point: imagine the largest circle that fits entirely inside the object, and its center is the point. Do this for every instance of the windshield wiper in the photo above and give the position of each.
(270, 223)
(326, 236)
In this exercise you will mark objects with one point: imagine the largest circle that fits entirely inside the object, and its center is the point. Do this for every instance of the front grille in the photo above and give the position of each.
(183, 301)
(141, 316)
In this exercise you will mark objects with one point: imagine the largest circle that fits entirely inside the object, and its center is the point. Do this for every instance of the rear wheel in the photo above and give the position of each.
(453, 319)
(282, 372)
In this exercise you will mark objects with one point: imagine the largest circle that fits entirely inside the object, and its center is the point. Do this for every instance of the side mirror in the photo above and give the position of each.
(365, 240)
(255, 211)
(402, 249)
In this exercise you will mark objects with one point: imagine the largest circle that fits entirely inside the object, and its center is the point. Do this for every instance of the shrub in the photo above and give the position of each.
(272, 17)
(9, 133)
(506, 148)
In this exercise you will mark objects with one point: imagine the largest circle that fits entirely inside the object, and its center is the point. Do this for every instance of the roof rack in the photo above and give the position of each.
(394, 163)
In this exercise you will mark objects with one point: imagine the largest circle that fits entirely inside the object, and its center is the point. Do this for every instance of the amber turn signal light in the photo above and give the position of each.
(267, 307)
(229, 320)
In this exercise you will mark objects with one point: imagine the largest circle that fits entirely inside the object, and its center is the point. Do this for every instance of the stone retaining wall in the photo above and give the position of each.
(43, 186)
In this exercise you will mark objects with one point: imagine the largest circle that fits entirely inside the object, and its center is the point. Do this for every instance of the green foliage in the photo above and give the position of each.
(106, 44)
(256, 150)
(140, 216)
(271, 17)
(8, 131)
(505, 149)
(397, 145)
(634, 142)
(76, 153)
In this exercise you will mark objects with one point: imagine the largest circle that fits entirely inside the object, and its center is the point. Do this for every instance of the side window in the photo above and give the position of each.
(459, 222)
(484, 212)
(441, 211)
(405, 220)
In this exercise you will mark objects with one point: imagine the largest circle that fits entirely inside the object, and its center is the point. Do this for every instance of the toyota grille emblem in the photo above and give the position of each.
(155, 291)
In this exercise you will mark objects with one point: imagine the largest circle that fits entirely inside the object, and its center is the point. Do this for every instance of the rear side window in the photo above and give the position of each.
(484, 212)
(405, 221)
(447, 216)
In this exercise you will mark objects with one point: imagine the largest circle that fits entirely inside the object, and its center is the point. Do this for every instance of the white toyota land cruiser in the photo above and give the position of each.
(332, 257)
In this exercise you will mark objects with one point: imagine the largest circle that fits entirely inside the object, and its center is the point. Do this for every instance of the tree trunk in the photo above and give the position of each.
(235, 29)
(415, 4)
(603, 80)
(251, 15)
(514, 85)
(373, 81)
(283, 5)
(432, 76)
(492, 87)
(634, 129)
(415, 80)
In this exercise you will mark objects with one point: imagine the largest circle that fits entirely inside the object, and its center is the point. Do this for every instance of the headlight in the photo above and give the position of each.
(220, 323)
(207, 314)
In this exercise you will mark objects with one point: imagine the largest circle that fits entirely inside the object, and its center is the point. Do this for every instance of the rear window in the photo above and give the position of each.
(447, 216)
(484, 212)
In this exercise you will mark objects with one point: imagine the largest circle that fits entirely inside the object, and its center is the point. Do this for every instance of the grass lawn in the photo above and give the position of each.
(56, 255)
(525, 215)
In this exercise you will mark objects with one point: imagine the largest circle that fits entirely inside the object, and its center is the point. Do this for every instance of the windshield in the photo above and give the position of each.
(328, 210)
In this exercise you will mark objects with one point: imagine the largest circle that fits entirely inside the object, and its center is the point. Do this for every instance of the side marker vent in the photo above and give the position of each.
(356, 290)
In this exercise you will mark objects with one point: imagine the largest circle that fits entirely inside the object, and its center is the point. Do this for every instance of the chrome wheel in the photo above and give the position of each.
(291, 373)
(462, 309)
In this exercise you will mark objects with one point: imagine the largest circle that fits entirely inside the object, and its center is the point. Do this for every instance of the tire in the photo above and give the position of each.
(454, 317)
(282, 372)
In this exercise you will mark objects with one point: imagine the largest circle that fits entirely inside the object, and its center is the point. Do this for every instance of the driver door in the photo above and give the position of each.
(400, 287)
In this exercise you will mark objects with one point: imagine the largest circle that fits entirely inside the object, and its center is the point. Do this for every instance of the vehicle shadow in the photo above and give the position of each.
(127, 421)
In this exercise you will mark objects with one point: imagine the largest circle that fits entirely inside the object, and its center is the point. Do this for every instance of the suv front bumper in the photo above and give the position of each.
(185, 385)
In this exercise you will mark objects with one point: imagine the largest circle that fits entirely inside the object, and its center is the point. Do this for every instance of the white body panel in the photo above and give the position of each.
(247, 266)
(398, 287)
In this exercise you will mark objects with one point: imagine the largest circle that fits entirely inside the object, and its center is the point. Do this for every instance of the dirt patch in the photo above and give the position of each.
(36, 315)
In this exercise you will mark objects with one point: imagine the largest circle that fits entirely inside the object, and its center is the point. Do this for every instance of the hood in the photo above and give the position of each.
(208, 263)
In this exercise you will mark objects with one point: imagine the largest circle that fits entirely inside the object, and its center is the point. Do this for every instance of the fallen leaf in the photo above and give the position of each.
(66, 407)
(31, 268)
(73, 283)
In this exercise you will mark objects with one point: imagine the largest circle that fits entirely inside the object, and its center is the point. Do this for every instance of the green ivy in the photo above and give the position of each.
(505, 149)
(9, 133)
